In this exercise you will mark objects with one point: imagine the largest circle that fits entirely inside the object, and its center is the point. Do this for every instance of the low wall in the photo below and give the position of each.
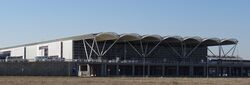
(38, 69)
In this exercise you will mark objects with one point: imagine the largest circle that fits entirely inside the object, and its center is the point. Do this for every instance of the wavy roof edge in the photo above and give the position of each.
(134, 36)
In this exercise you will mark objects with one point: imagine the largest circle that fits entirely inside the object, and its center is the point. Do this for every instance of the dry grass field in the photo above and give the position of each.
(12, 80)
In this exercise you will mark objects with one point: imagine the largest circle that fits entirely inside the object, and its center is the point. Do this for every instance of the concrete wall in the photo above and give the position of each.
(58, 48)
(68, 49)
(54, 49)
(19, 51)
(31, 51)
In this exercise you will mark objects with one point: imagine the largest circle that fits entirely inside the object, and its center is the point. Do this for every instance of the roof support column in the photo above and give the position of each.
(133, 47)
(105, 51)
(97, 46)
(85, 49)
(103, 47)
(142, 49)
(99, 52)
(182, 50)
(232, 48)
(147, 54)
(193, 50)
(211, 52)
(176, 52)
(91, 47)
(144, 52)
(219, 51)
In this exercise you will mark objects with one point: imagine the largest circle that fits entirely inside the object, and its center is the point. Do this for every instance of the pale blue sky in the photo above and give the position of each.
(24, 21)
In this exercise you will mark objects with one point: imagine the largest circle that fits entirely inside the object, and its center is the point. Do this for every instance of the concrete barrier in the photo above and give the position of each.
(38, 69)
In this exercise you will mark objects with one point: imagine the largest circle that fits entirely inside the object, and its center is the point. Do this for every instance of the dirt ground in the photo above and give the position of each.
(27, 80)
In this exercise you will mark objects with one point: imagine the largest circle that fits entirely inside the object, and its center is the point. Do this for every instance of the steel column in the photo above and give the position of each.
(163, 70)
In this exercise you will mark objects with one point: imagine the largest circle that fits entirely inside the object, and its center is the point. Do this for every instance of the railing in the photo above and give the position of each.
(138, 61)
(212, 56)
(146, 61)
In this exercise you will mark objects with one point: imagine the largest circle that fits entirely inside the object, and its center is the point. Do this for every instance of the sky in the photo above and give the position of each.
(25, 21)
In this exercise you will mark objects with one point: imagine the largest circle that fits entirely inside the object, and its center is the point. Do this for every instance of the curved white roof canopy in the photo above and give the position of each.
(172, 39)
(192, 40)
(167, 39)
(211, 41)
(228, 41)
(151, 38)
(106, 36)
(134, 37)
(129, 37)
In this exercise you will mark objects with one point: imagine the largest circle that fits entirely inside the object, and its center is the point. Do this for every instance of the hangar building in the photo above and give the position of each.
(129, 54)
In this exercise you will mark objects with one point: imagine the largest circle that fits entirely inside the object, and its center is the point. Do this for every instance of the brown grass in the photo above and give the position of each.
(120, 81)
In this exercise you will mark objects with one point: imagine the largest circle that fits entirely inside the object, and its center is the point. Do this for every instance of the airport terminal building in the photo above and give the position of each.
(130, 54)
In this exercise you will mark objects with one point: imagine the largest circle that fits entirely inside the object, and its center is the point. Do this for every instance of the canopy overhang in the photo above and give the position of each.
(105, 36)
